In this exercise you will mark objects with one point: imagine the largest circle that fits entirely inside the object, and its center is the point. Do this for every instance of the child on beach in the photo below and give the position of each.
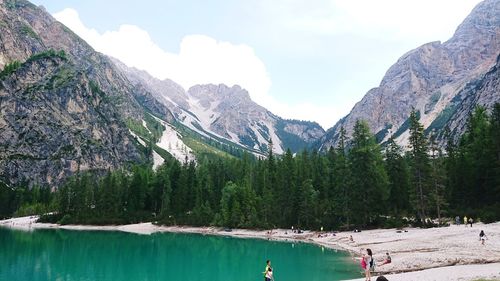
(482, 237)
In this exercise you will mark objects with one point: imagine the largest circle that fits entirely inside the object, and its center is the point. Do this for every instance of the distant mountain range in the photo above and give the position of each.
(227, 113)
(444, 82)
(66, 108)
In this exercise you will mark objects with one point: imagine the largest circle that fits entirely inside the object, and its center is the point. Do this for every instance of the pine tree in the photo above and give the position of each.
(268, 196)
(399, 178)
(369, 183)
(420, 166)
(288, 190)
(495, 150)
(342, 176)
(308, 202)
(438, 176)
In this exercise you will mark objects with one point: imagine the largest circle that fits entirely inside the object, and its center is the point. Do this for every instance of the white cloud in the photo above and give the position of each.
(358, 38)
(200, 60)
(401, 19)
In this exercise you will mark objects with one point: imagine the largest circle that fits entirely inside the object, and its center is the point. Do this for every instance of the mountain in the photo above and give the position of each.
(67, 108)
(63, 106)
(224, 113)
(442, 81)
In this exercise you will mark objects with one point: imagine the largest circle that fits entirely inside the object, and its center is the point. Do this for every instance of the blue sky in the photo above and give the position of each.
(310, 60)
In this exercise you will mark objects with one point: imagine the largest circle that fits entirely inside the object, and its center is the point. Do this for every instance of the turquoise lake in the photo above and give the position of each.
(101, 256)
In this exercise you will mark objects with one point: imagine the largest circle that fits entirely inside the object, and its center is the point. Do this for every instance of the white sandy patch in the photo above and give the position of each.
(143, 143)
(188, 120)
(171, 141)
(276, 140)
(206, 115)
(145, 125)
(449, 273)
(157, 160)
(419, 249)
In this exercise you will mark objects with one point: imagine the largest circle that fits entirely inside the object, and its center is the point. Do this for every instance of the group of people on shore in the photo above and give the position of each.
(367, 261)
(470, 221)
(467, 221)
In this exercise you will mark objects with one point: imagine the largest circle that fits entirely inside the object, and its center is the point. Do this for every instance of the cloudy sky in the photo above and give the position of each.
(302, 59)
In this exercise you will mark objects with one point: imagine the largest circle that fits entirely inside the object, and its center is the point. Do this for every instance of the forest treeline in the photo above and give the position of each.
(357, 184)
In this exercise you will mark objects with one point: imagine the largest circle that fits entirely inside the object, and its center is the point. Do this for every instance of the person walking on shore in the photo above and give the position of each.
(268, 273)
(471, 221)
(465, 221)
(482, 237)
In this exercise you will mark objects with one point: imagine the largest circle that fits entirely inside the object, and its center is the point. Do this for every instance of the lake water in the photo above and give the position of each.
(101, 256)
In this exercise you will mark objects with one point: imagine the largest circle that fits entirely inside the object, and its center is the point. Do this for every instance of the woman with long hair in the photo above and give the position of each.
(367, 263)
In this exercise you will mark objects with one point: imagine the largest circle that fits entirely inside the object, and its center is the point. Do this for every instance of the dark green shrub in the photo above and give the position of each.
(9, 69)
(65, 220)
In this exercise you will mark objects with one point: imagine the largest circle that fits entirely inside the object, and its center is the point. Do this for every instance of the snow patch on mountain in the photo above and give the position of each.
(172, 142)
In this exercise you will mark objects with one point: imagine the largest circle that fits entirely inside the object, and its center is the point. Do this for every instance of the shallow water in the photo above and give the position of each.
(102, 255)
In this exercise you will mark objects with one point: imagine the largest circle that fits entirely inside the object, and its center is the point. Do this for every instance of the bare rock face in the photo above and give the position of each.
(227, 113)
(63, 107)
(430, 79)
(175, 100)
(484, 90)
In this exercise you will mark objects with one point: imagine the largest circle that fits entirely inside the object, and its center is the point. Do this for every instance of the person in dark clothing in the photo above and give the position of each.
(482, 237)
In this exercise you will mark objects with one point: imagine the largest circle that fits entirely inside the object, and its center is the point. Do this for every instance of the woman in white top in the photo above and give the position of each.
(368, 264)
(268, 273)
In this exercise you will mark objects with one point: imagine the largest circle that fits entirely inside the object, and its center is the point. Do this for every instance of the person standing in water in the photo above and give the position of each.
(268, 273)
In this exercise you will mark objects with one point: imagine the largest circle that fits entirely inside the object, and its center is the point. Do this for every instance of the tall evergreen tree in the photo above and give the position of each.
(438, 179)
(342, 177)
(307, 205)
(420, 166)
(369, 181)
(399, 179)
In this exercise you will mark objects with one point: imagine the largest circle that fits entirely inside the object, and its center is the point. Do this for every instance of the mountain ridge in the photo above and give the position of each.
(228, 112)
(64, 107)
(428, 78)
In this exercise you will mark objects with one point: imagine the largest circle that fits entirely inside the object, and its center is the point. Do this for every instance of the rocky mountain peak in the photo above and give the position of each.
(428, 79)
(227, 113)
(218, 92)
(64, 107)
